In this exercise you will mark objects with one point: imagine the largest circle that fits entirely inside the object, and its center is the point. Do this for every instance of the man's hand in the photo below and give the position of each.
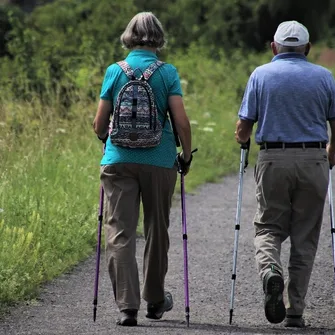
(238, 139)
(331, 154)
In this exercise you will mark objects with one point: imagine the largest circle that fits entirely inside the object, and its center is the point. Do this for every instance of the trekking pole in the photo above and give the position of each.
(184, 232)
(332, 223)
(245, 147)
(98, 252)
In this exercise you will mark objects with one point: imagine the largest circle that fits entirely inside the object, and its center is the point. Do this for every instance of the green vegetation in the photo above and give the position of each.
(52, 64)
(48, 198)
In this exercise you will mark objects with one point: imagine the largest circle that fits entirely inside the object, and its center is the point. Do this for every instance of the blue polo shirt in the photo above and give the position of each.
(291, 100)
(164, 82)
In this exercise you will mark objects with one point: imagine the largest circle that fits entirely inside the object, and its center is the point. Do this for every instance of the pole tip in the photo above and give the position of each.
(188, 320)
(94, 314)
(230, 316)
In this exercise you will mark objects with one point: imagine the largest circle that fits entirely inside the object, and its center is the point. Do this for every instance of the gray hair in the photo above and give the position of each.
(144, 29)
(281, 48)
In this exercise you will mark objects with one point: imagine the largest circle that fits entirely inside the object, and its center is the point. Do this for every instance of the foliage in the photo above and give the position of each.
(6, 15)
(60, 49)
(65, 47)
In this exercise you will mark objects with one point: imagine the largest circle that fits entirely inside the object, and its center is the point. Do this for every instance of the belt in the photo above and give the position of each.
(283, 145)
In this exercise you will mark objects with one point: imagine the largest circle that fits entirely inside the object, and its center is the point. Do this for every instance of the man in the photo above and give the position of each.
(291, 100)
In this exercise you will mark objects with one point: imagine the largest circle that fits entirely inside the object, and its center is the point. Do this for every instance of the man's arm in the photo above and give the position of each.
(331, 145)
(331, 120)
(243, 130)
(248, 111)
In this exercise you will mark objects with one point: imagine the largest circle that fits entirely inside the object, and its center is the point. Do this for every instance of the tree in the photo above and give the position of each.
(6, 13)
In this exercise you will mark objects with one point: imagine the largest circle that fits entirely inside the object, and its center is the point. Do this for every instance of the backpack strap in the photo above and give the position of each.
(126, 69)
(151, 69)
(147, 74)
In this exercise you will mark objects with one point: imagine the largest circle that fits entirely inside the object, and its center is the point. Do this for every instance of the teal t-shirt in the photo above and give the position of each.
(165, 82)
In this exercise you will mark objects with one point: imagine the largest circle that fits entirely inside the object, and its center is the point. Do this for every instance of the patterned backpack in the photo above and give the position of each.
(135, 121)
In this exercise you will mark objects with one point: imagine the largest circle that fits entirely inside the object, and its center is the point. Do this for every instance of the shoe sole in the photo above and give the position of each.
(129, 322)
(295, 323)
(275, 311)
(157, 316)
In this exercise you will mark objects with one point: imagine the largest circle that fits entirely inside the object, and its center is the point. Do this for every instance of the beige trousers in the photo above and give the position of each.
(125, 185)
(291, 187)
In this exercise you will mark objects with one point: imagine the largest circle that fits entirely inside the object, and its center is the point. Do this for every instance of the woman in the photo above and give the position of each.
(129, 175)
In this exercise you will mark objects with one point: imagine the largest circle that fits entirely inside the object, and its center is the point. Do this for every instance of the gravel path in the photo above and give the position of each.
(65, 306)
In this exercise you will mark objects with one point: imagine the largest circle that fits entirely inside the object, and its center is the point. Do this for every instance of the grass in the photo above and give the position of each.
(48, 206)
(49, 171)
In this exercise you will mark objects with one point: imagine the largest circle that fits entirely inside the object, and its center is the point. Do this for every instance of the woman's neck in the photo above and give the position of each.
(143, 47)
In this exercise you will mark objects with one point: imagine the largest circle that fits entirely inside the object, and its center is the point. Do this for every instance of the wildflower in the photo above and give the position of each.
(2, 124)
(207, 115)
(60, 130)
(211, 124)
(208, 129)
(194, 122)
(1, 210)
(183, 82)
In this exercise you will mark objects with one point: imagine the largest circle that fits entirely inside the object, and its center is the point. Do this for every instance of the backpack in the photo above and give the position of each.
(135, 122)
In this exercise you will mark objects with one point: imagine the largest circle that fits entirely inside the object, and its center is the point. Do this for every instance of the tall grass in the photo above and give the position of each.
(48, 198)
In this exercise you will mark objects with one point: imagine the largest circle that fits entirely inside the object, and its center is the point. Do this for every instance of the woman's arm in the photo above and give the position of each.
(101, 120)
(182, 125)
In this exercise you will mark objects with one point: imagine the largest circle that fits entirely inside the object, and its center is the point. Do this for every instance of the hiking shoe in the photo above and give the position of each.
(156, 311)
(294, 321)
(273, 285)
(128, 318)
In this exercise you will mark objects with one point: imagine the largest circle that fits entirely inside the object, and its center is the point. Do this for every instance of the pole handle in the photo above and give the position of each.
(246, 145)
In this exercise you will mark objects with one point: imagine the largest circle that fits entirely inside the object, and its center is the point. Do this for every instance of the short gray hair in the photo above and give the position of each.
(144, 29)
(281, 48)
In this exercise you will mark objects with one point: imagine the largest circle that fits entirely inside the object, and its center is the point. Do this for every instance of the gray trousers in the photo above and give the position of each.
(125, 185)
(291, 188)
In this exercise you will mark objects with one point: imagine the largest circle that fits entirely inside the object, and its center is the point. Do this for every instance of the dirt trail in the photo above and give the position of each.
(65, 306)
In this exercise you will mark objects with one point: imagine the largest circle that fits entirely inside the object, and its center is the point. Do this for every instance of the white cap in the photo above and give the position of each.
(291, 34)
